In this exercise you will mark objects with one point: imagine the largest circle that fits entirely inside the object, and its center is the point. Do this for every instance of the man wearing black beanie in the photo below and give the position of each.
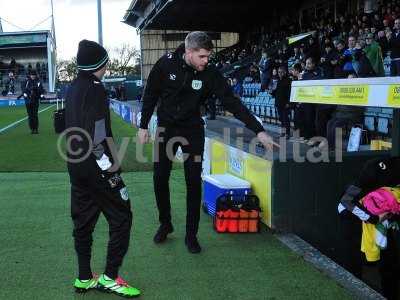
(96, 183)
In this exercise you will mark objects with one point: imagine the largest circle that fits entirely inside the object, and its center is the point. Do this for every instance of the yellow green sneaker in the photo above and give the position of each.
(82, 286)
(118, 286)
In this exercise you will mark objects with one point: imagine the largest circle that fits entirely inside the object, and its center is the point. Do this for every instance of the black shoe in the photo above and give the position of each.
(35, 131)
(162, 232)
(192, 244)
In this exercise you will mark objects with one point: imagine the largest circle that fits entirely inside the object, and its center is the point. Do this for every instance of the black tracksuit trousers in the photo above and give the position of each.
(167, 141)
(94, 192)
(32, 108)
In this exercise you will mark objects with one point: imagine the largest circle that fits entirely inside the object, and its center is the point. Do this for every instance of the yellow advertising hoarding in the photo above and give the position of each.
(394, 95)
(356, 94)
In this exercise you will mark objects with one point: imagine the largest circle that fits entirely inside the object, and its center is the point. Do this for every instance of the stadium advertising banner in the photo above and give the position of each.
(5, 103)
(378, 92)
(23, 39)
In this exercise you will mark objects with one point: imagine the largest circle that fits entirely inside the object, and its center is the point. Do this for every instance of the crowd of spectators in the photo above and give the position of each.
(355, 45)
(13, 74)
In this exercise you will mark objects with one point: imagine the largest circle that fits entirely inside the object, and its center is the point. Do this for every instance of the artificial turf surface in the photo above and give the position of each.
(11, 114)
(37, 259)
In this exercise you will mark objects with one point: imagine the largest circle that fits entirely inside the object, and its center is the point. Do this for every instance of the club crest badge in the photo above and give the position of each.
(124, 193)
(197, 84)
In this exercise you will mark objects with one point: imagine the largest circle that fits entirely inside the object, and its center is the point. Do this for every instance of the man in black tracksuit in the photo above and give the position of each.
(96, 183)
(180, 82)
(282, 101)
(32, 91)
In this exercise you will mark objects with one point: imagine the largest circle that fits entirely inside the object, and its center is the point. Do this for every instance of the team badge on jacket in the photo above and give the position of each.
(197, 84)
(124, 193)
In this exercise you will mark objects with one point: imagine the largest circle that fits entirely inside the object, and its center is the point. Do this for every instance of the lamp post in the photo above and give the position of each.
(99, 22)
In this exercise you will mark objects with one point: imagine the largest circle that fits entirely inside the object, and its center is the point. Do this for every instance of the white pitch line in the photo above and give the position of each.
(23, 119)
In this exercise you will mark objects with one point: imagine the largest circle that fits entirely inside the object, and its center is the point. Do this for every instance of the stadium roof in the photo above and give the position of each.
(207, 15)
(22, 39)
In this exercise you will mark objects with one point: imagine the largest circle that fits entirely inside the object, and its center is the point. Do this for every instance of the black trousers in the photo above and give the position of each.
(94, 192)
(32, 108)
(166, 144)
(322, 116)
(305, 120)
(284, 117)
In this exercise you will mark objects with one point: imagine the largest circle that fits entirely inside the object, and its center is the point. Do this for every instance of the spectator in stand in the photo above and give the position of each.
(376, 22)
(274, 80)
(361, 63)
(339, 64)
(296, 54)
(254, 72)
(237, 88)
(361, 34)
(313, 50)
(296, 72)
(282, 101)
(328, 58)
(374, 54)
(385, 24)
(348, 55)
(278, 61)
(11, 83)
(265, 65)
(394, 48)
(374, 32)
(302, 52)
(285, 55)
(383, 42)
(305, 112)
(388, 16)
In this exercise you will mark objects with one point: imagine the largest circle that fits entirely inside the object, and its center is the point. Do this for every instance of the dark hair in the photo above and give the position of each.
(297, 67)
(340, 42)
(198, 40)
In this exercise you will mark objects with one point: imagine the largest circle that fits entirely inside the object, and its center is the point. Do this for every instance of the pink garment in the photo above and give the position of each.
(381, 201)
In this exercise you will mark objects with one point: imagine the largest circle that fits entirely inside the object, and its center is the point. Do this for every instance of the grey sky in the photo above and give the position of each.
(74, 20)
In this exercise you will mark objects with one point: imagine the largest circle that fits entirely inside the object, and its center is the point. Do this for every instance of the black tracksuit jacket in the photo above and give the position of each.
(180, 91)
(87, 108)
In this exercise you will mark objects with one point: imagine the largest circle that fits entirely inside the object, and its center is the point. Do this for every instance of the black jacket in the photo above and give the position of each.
(33, 89)
(87, 108)
(327, 67)
(180, 91)
(312, 75)
(282, 92)
(394, 45)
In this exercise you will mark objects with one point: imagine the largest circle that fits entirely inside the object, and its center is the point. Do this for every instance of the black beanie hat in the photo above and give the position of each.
(91, 56)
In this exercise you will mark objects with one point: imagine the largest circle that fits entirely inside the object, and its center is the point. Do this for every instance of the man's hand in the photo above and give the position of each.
(143, 135)
(267, 141)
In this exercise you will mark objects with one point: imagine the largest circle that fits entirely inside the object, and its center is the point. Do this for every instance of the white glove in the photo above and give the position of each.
(104, 162)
